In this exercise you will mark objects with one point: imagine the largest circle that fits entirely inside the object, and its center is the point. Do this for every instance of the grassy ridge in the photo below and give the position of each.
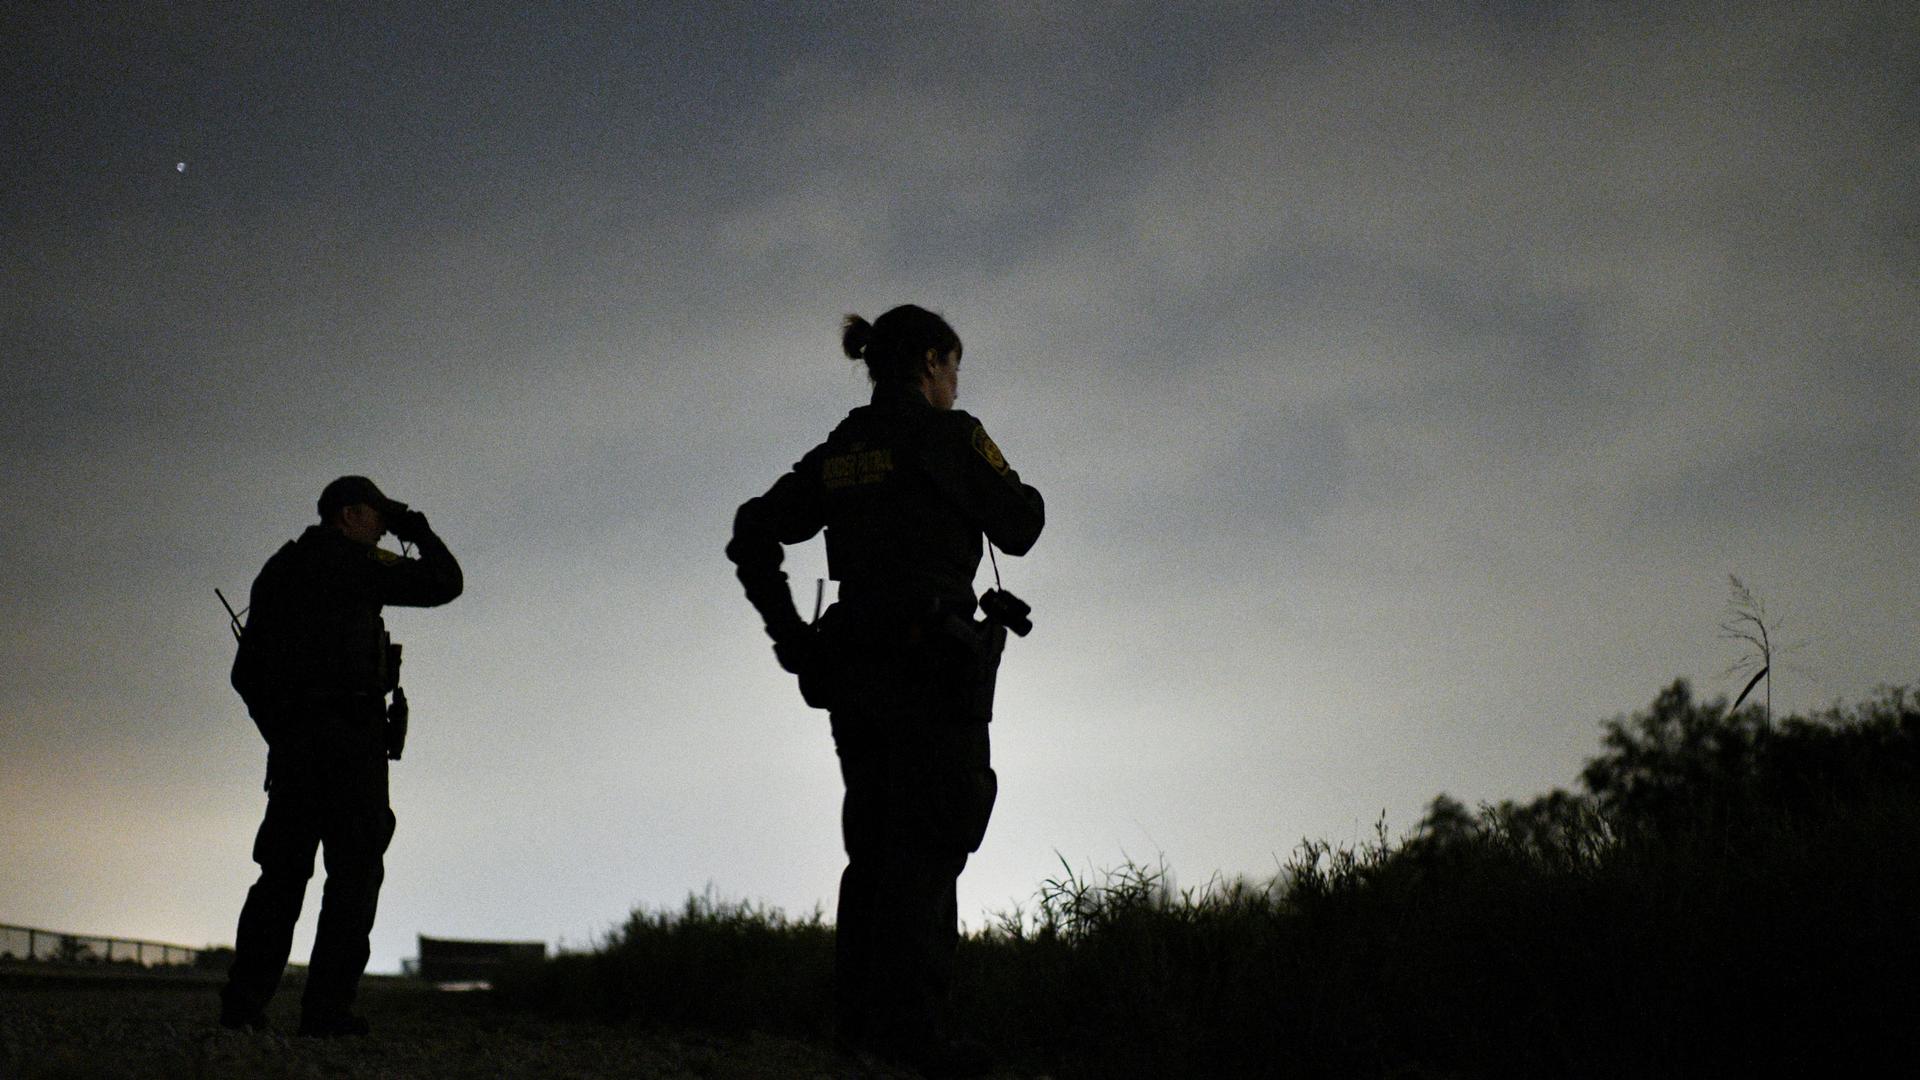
(1718, 896)
(713, 964)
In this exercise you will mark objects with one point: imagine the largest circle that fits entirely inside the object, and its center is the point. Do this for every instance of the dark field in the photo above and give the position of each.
(87, 1029)
(1725, 895)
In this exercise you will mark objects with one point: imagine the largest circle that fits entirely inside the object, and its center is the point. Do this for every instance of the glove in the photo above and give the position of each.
(409, 526)
(805, 652)
(798, 650)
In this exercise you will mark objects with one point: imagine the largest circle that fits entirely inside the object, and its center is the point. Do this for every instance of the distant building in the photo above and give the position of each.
(453, 960)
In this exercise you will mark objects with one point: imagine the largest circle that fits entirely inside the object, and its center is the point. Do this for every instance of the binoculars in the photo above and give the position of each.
(1002, 608)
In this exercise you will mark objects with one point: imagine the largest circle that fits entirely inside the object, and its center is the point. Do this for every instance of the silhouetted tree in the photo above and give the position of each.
(1672, 758)
(1687, 762)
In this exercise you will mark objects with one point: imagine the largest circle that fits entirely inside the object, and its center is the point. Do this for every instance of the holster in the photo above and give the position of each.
(981, 645)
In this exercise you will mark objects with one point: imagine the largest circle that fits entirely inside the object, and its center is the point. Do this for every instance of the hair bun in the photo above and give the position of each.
(855, 333)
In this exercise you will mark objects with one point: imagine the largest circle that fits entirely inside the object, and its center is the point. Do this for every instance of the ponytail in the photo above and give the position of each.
(893, 345)
(855, 332)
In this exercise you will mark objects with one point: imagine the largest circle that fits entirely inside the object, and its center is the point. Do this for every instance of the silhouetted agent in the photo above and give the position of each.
(904, 487)
(315, 666)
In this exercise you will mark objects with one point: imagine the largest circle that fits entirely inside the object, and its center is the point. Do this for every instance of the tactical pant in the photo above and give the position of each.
(327, 790)
(919, 790)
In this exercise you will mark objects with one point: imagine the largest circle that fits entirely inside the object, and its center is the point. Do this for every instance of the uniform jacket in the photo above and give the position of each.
(904, 491)
(314, 625)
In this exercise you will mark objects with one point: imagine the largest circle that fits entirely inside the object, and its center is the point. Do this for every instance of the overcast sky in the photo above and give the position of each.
(1404, 383)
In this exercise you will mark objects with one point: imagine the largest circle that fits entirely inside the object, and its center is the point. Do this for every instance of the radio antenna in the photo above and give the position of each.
(233, 617)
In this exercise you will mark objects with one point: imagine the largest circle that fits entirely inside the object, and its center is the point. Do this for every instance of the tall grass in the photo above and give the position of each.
(714, 963)
(1721, 896)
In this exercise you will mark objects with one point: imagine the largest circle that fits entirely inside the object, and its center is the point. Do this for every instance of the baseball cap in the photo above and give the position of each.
(349, 490)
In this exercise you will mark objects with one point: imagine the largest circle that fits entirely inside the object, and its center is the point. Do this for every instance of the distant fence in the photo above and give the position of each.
(33, 945)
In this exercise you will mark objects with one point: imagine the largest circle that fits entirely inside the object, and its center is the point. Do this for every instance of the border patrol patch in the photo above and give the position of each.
(983, 444)
(862, 466)
(385, 557)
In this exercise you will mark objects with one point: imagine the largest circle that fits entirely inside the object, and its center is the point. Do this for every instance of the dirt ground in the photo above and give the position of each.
(73, 1029)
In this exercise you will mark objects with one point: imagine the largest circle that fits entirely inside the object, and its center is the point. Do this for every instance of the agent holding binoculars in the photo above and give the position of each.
(315, 666)
(904, 487)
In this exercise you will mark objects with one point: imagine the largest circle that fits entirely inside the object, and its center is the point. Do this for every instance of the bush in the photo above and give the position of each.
(714, 964)
(1721, 897)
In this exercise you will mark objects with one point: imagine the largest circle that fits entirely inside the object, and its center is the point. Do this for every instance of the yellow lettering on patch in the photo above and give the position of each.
(382, 555)
(983, 443)
(837, 471)
(859, 467)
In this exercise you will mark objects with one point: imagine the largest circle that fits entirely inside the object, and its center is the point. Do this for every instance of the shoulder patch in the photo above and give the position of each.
(983, 445)
(384, 557)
